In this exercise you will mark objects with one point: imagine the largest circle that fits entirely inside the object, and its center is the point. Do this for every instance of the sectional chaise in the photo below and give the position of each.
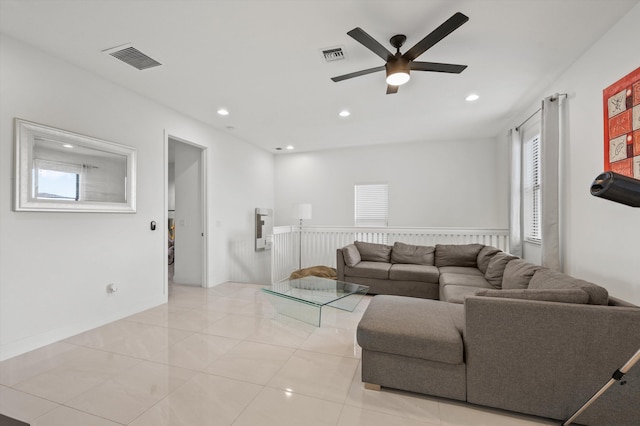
(472, 323)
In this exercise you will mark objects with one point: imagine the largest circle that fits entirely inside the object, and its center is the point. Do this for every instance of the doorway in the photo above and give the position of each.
(186, 213)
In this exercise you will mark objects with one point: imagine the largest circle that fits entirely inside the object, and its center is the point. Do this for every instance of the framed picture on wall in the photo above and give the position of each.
(621, 106)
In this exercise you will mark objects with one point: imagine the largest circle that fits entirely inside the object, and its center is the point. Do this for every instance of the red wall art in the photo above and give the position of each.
(621, 106)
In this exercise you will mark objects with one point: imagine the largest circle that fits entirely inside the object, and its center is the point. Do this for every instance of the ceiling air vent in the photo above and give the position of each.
(132, 56)
(331, 54)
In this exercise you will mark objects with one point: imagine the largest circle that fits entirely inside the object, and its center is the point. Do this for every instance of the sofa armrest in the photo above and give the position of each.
(340, 263)
(547, 358)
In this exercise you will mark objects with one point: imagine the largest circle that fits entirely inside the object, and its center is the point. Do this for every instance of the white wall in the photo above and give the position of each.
(54, 267)
(601, 237)
(431, 184)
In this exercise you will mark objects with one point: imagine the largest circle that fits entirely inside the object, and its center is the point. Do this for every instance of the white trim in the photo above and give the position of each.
(204, 200)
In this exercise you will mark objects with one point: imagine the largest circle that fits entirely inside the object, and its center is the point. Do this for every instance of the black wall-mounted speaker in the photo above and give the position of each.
(616, 187)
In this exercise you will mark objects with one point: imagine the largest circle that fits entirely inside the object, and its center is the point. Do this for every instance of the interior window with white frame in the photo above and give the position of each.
(371, 205)
(531, 183)
(371, 211)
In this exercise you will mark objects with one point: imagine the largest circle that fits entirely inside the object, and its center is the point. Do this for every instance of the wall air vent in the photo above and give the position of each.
(132, 56)
(331, 54)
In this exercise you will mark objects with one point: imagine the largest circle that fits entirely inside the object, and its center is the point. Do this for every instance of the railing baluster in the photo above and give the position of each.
(319, 243)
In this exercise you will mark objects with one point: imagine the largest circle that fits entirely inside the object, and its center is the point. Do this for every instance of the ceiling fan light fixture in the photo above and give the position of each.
(398, 79)
(397, 72)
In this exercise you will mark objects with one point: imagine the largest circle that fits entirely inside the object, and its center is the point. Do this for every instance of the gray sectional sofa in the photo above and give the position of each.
(472, 323)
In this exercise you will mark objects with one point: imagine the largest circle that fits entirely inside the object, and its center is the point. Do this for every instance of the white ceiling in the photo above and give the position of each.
(261, 60)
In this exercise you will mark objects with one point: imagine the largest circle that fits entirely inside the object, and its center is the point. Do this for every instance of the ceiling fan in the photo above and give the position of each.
(399, 65)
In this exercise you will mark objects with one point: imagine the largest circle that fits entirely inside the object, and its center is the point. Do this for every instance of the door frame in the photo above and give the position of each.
(204, 205)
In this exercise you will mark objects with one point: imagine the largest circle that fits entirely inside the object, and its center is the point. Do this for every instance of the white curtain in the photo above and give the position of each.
(550, 141)
(515, 194)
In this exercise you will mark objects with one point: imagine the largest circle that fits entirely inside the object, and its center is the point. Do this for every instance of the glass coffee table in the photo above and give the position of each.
(304, 298)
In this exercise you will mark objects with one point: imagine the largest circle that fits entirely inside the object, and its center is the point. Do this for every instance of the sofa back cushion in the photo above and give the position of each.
(351, 255)
(408, 253)
(518, 274)
(549, 279)
(374, 252)
(563, 295)
(495, 268)
(457, 254)
(484, 256)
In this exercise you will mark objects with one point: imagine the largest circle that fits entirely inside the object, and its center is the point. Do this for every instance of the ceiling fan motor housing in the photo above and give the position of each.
(397, 65)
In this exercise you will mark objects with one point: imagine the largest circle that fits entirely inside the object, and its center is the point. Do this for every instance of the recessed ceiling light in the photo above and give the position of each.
(223, 111)
(344, 113)
(67, 145)
(290, 147)
(472, 97)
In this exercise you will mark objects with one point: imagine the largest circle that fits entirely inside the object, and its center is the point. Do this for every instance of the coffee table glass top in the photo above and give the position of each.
(304, 298)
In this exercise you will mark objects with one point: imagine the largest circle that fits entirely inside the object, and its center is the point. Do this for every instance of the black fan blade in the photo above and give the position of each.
(436, 35)
(392, 89)
(357, 73)
(370, 43)
(436, 67)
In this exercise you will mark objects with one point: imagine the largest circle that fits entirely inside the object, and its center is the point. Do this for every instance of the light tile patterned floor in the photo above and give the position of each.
(219, 356)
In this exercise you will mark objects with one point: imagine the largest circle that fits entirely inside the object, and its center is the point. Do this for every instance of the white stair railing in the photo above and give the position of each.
(319, 243)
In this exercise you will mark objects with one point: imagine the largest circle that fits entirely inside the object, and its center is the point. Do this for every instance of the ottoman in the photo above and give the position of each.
(413, 344)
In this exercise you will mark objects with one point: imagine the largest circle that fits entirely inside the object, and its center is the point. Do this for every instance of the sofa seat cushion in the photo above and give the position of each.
(461, 270)
(463, 280)
(418, 328)
(547, 279)
(457, 293)
(367, 269)
(407, 272)
(457, 315)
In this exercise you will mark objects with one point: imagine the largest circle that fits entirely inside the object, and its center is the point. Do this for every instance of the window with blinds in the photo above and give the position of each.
(372, 205)
(531, 190)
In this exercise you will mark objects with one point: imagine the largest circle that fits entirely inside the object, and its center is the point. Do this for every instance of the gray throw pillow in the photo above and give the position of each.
(408, 253)
(485, 255)
(351, 255)
(517, 274)
(495, 268)
(569, 295)
(457, 255)
(374, 252)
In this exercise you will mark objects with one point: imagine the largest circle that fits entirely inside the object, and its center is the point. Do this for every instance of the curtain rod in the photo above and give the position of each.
(553, 98)
(527, 119)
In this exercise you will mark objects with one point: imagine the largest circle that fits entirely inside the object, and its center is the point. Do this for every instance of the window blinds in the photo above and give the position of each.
(371, 205)
(531, 187)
